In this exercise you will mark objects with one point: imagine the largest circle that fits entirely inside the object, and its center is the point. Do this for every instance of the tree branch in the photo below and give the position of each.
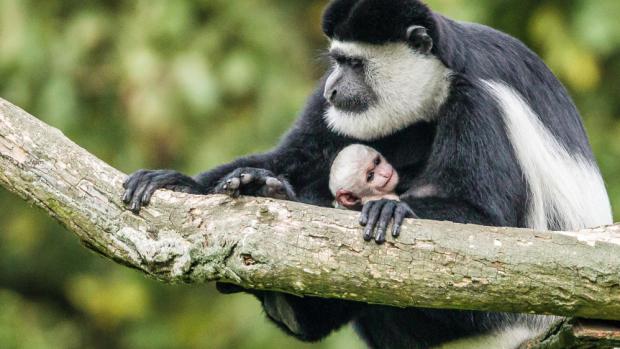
(578, 334)
(276, 245)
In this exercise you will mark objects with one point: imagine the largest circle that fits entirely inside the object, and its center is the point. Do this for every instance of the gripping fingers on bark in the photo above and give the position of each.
(273, 183)
(273, 187)
(130, 185)
(387, 212)
(136, 200)
(232, 187)
(278, 188)
(246, 178)
(140, 186)
(377, 215)
(401, 212)
(255, 182)
(373, 217)
(242, 181)
(231, 184)
(364, 215)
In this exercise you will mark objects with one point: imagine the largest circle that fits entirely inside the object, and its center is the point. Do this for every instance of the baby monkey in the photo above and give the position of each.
(359, 175)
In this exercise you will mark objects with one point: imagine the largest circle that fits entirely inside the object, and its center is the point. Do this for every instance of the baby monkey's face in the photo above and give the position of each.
(378, 177)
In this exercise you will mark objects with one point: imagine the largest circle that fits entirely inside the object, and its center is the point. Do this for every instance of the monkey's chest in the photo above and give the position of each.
(409, 149)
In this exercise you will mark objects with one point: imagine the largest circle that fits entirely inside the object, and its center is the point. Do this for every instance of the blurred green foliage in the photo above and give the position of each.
(189, 85)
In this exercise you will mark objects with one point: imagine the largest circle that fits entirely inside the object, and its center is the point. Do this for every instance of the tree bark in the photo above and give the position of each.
(578, 334)
(305, 250)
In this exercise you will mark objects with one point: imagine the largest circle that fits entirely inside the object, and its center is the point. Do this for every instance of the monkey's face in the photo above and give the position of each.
(378, 176)
(386, 74)
(375, 90)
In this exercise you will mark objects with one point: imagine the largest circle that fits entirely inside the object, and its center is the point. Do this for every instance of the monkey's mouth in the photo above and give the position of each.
(388, 181)
(352, 106)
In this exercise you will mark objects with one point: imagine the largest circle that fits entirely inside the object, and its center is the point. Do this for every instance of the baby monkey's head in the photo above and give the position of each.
(360, 174)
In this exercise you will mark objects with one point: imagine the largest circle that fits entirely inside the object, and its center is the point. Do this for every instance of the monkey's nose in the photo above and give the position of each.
(386, 173)
(330, 94)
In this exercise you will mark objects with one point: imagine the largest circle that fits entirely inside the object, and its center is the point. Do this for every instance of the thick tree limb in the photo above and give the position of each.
(269, 244)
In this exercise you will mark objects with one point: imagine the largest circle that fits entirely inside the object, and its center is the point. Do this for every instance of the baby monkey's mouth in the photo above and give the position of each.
(389, 179)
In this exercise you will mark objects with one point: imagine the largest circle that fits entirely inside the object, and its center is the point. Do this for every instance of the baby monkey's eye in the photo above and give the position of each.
(377, 161)
(370, 176)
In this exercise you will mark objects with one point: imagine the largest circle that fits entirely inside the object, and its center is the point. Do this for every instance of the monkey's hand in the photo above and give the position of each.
(255, 182)
(377, 215)
(140, 186)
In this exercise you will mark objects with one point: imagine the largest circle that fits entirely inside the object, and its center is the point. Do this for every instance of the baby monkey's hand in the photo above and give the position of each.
(376, 216)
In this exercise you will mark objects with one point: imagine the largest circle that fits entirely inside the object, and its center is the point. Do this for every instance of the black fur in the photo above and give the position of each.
(374, 21)
(465, 153)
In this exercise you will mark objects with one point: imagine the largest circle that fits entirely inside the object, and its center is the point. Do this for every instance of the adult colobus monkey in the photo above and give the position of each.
(476, 125)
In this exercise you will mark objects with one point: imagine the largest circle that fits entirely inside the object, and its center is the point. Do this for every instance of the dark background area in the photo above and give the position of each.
(189, 85)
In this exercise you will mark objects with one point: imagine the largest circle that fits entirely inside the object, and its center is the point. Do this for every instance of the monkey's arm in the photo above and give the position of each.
(302, 158)
(299, 158)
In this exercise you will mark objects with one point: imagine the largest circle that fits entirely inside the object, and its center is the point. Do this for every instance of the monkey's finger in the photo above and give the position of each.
(289, 193)
(274, 183)
(234, 193)
(132, 178)
(233, 183)
(230, 187)
(148, 193)
(157, 181)
(399, 216)
(365, 210)
(275, 188)
(139, 192)
(402, 211)
(373, 217)
(410, 213)
(127, 195)
(278, 188)
(246, 178)
(387, 212)
(287, 189)
(130, 185)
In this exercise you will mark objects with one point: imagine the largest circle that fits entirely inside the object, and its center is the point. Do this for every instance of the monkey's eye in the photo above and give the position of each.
(370, 176)
(341, 60)
(356, 63)
(377, 161)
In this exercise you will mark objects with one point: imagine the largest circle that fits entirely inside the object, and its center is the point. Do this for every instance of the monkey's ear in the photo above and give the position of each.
(347, 199)
(417, 36)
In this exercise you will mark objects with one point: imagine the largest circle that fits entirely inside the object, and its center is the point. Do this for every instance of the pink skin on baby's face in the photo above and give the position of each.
(379, 176)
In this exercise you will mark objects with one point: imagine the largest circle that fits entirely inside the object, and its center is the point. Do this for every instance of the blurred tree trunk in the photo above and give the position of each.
(275, 245)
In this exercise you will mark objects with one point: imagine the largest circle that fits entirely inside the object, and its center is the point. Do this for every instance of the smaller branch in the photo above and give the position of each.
(578, 334)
